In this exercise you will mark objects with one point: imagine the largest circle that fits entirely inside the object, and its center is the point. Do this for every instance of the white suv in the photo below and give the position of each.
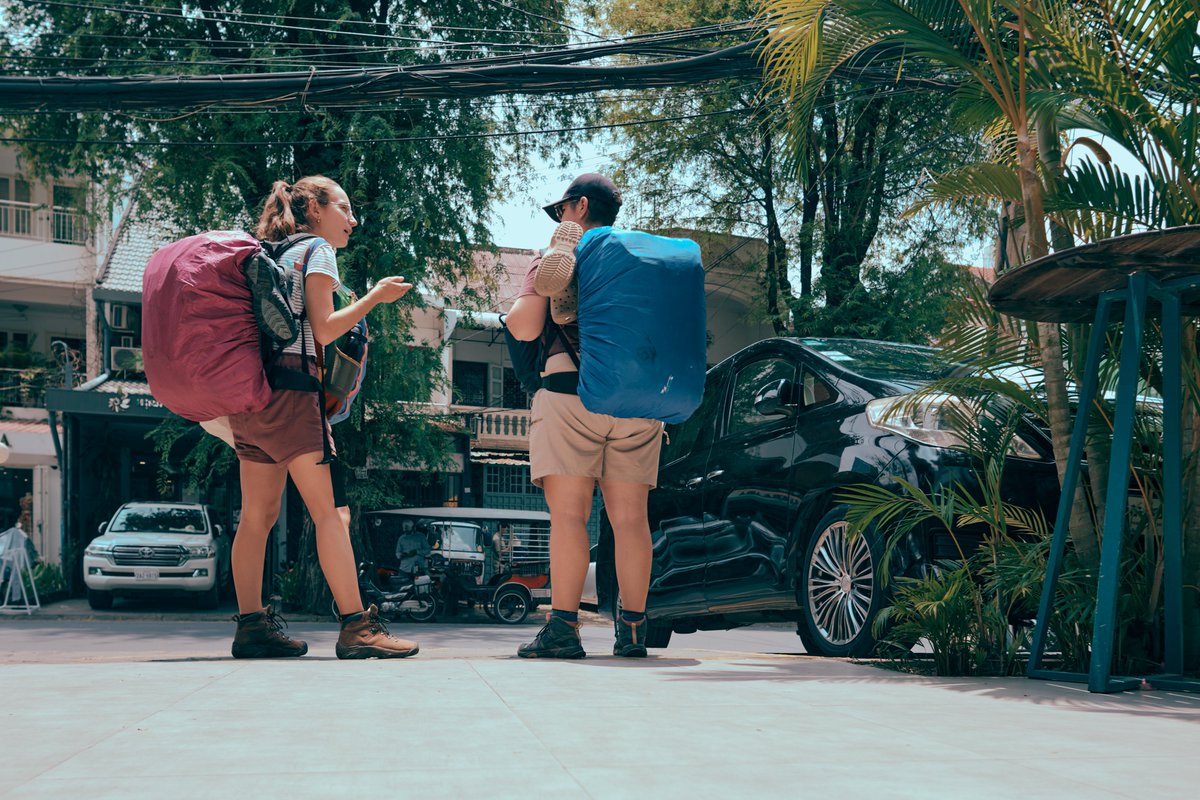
(157, 547)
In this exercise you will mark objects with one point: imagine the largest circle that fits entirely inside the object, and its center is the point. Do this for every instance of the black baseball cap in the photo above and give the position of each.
(595, 187)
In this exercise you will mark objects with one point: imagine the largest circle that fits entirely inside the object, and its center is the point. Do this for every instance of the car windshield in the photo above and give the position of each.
(459, 536)
(883, 360)
(158, 519)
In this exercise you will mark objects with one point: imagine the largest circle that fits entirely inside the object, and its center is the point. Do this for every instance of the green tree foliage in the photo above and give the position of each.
(728, 168)
(422, 174)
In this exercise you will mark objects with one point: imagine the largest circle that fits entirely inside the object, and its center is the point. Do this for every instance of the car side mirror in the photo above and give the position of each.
(218, 531)
(102, 527)
(775, 399)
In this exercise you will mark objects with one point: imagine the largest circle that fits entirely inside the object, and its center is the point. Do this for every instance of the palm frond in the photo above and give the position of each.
(1097, 201)
(977, 334)
(972, 187)
(808, 41)
(1080, 52)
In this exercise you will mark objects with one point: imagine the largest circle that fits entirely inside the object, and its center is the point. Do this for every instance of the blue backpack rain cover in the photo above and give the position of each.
(642, 325)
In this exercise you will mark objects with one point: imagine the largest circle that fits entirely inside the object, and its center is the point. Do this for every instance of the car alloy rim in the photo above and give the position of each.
(841, 579)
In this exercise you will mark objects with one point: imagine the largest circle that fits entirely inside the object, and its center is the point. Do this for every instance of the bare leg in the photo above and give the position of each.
(333, 538)
(625, 504)
(570, 501)
(262, 488)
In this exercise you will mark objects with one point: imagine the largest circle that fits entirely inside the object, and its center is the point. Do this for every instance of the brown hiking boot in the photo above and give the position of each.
(557, 268)
(260, 635)
(366, 636)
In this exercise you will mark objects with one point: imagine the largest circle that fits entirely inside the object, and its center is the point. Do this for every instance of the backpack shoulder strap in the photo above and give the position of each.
(276, 249)
(316, 242)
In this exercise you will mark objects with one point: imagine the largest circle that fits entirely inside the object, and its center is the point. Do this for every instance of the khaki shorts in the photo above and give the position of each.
(567, 439)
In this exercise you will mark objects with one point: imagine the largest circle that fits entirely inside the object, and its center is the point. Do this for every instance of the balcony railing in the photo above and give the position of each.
(45, 224)
(26, 387)
(505, 428)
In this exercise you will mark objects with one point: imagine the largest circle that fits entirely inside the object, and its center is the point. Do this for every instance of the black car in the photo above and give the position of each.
(745, 524)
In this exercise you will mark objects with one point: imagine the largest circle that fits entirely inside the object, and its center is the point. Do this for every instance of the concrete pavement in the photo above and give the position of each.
(146, 708)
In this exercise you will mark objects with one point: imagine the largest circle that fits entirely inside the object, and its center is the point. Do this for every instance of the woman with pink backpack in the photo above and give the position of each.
(290, 436)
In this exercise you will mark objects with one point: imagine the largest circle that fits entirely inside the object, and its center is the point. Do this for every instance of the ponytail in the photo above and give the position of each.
(286, 209)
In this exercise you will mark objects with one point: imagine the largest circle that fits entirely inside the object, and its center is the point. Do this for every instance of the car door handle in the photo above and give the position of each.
(716, 473)
(694, 483)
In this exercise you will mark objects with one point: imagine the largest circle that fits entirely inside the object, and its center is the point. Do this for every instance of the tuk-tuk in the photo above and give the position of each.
(498, 559)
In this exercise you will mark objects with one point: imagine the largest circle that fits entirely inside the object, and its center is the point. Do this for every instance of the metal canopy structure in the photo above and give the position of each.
(1070, 286)
(1066, 286)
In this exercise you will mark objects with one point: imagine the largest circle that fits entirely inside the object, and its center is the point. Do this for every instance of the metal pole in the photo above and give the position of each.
(1104, 630)
(1087, 394)
(1172, 483)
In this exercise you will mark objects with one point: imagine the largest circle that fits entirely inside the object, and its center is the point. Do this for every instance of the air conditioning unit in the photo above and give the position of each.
(119, 317)
(128, 359)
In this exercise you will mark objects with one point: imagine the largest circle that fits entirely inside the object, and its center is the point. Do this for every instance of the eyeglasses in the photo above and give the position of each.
(346, 209)
(556, 210)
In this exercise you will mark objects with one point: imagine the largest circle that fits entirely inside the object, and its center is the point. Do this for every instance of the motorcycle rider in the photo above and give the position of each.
(412, 550)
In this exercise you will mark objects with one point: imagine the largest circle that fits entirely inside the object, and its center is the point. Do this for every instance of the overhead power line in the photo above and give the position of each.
(275, 23)
(562, 70)
(373, 139)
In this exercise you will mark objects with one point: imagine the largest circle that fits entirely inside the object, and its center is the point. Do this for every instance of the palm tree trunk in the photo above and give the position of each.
(1083, 534)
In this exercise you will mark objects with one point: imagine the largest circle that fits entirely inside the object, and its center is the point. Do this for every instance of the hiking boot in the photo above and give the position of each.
(564, 308)
(260, 635)
(557, 269)
(270, 291)
(557, 639)
(368, 637)
(631, 639)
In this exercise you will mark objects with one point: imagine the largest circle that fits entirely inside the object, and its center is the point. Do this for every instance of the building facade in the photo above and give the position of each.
(49, 247)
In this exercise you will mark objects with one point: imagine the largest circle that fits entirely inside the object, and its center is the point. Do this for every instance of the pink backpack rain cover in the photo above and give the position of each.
(200, 342)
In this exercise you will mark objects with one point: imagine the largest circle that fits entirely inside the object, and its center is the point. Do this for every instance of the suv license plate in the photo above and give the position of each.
(145, 574)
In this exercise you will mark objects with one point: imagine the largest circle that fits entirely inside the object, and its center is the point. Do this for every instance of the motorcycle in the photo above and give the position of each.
(414, 599)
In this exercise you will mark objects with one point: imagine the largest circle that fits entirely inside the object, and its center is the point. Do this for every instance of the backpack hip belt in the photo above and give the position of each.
(561, 382)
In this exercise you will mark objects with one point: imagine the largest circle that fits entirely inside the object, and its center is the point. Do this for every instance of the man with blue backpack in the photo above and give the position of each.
(621, 321)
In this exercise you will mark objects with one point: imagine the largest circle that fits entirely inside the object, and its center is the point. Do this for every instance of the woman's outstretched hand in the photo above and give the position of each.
(389, 289)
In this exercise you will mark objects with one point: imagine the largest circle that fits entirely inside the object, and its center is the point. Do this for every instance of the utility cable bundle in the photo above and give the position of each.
(561, 71)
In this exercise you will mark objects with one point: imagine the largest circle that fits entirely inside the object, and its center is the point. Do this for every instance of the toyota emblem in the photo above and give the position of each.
(146, 552)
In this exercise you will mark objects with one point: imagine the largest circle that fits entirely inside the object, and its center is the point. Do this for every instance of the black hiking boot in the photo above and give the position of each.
(260, 635)
(631, 639)
(557, 639)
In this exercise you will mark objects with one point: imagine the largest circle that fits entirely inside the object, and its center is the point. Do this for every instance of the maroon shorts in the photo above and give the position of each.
(288, 427)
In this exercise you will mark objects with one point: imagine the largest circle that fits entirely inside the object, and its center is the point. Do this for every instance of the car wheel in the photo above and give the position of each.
(100, 600)
(839, 589)
(658, 634)
(512, 604)
(210, 599)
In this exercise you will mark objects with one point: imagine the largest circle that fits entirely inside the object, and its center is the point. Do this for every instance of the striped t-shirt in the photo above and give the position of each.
(323, 260)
